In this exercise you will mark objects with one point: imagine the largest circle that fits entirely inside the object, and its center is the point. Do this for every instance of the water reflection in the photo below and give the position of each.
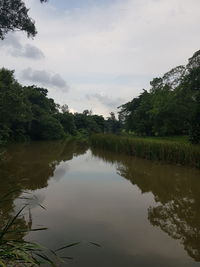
(176, 193)
(86, 200)
(29, 167)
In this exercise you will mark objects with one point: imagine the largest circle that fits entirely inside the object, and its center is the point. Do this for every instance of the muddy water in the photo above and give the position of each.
(141, 213)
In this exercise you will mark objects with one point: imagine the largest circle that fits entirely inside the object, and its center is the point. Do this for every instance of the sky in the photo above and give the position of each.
(100, 54)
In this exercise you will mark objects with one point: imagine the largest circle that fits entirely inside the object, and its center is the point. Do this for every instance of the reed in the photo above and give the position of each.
(15, 251)
(162, 150)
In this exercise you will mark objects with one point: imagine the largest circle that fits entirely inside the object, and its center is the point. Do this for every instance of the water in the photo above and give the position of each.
(142, 213)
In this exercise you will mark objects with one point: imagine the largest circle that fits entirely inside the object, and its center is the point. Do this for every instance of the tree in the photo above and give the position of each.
(99, 119)
(14, 111)
(112, 125)
(174, 77)
(47, 128)
(136, 114)
(64, 108)
(87, 112)
(88, 122)
(14, 16)
(67, 121)
(191, 83)
(171, 107)
(26, 112)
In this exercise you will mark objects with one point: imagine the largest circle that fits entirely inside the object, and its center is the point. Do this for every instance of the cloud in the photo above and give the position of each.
(116, 48)
(16, 49)
(110, 102)
(29, 51)
(45, 78)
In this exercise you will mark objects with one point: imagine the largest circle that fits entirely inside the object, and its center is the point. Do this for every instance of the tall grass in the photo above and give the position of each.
(162, 150)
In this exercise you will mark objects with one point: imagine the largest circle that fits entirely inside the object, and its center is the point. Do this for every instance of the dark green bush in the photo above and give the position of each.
(47, 128)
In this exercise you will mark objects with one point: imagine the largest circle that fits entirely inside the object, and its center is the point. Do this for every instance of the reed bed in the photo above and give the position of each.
(166, 151)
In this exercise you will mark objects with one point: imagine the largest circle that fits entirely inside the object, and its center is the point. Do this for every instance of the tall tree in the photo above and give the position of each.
(172, 105)
(192, 84)
(14, 112)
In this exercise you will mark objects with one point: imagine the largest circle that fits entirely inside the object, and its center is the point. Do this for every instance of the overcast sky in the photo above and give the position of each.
(99, 54)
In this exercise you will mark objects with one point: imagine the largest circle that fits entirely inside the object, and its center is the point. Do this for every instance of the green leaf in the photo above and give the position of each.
(9, 224)
(95, 244)
(47, 259)
(67, 246)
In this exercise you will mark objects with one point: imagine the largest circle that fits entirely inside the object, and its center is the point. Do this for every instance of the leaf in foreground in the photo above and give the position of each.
(67, 246)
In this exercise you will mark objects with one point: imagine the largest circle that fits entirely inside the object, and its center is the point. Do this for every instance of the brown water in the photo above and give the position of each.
(142, 213)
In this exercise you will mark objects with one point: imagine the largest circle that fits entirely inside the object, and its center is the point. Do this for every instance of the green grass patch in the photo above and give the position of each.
(162, 149)
(177, 138)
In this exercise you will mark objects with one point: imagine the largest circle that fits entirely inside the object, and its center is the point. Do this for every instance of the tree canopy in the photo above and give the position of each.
(26, 112)
(14, 16)
(171, 107)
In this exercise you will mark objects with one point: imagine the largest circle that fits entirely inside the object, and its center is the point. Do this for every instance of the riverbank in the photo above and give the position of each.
(174, 152)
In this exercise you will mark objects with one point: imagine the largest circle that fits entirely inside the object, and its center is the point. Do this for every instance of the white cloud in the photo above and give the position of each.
(45, 78)
(14, 47)
(108, 101)
(138, 38)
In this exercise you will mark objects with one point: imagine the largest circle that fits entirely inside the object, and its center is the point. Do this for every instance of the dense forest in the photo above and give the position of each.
(170, 107)
(26, 113)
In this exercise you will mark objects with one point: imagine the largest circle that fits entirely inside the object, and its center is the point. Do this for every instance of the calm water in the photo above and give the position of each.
(142, 213)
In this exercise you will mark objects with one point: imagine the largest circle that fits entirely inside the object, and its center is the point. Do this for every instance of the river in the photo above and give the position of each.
(138, 212)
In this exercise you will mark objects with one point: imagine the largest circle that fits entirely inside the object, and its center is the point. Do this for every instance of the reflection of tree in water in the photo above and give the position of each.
(29, 167)
(180, 220)
(175, 189)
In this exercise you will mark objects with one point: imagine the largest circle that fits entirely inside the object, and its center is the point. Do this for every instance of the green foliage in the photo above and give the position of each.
(90, 123)
(13, 108)
(163, 150)
(171, 107)
(66, 119)
(47, 128)
(14, 17)
(99, 120)
(27, 113)
(192, 84)
(112, 125)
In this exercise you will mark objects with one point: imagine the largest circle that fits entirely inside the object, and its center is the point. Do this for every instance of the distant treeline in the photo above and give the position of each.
(171, 107)
(26, 113)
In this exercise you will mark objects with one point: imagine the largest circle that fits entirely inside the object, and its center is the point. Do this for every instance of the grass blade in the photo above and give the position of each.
(68, 246)
(9, 224)
(95, 244)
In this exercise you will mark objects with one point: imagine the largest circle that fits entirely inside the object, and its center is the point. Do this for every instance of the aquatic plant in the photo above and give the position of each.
(15, 251)
(162, 150)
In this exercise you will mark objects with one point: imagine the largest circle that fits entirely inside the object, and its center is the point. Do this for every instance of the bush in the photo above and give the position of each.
(48, 128)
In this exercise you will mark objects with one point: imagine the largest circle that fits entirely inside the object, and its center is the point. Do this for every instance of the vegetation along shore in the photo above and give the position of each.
(148, 148)
(170, 108)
